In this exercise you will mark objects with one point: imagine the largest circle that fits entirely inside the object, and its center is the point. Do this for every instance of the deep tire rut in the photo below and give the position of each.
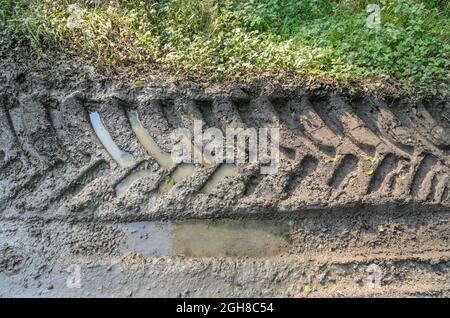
(361, 182)
(335, 153)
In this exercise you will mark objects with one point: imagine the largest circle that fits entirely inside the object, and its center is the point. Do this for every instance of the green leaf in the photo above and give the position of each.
(169, 182)
(369, 171)
(308, 289)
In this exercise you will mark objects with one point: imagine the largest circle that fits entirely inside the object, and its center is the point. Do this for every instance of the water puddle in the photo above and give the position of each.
(196, 153)
(181, 172)
(123, 158)
(225, 170)
(126, 183)
(208, 238)
(162, 158)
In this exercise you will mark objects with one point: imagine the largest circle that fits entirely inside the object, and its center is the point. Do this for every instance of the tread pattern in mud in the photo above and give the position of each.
(334, 152)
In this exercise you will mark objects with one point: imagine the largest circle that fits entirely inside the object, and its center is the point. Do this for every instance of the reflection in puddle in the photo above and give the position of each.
(207, 238)
(181, 172)
(162, 158)
(196, 153)
(147, 238)
(124, 159)
(225, 170)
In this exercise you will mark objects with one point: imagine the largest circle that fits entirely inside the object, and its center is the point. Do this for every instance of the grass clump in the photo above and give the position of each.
(326, 40)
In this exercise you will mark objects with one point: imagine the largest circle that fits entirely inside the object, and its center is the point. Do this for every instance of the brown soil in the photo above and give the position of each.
(362, 183)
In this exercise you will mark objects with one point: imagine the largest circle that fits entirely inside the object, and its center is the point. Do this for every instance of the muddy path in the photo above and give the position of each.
(86, 179)
(317, 256)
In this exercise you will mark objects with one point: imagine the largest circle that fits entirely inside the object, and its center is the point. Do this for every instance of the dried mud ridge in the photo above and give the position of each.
(361, 182)
(336, 153)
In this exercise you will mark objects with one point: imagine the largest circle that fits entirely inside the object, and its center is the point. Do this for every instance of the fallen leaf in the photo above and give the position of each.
(308, 289)
(369, 171)
(169, 182)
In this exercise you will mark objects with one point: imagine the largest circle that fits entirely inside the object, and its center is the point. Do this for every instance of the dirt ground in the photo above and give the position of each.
(90, 204)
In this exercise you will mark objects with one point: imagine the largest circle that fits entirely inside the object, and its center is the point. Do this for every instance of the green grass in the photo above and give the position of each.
(325, 41)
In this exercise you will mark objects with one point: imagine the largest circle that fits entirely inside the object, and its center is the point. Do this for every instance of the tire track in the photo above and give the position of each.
(344, 168)
(423, 170)
(323, 142)
(388, 164)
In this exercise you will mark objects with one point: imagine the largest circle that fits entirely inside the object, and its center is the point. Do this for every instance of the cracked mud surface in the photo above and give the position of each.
(360, 182)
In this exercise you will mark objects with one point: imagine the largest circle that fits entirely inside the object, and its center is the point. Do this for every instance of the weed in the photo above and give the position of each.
(326, 40)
